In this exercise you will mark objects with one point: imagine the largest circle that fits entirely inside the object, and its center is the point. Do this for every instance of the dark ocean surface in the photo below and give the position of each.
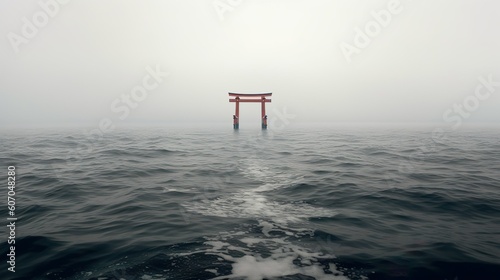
(284, 204)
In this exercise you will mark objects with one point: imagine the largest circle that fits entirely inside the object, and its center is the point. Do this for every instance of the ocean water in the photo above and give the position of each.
(277, 204)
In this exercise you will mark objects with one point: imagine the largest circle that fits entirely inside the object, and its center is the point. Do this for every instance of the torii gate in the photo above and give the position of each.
(254, 97)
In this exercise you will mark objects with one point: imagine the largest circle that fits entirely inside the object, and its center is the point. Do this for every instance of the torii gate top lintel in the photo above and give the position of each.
(249, 97)
(250, 94)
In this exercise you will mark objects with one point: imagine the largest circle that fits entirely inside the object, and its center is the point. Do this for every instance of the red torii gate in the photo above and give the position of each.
(254, 97)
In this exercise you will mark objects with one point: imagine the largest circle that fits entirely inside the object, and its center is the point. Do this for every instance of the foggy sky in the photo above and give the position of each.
(84, 57)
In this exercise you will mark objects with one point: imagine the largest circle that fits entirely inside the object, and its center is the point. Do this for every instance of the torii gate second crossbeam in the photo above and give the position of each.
(254, 97)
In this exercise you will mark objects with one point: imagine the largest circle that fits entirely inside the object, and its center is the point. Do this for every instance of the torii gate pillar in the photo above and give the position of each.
(256, 97)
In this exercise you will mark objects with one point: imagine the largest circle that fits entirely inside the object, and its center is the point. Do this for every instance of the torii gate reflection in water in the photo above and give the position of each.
(254, 97)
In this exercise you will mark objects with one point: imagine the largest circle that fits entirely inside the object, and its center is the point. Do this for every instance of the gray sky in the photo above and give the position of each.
(75, 62)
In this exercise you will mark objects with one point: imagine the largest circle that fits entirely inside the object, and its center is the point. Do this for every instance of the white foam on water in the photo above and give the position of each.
(214, 271)
(270, 252)
(150, 277)
(252, 268)
(260, 256)
(253, 203)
